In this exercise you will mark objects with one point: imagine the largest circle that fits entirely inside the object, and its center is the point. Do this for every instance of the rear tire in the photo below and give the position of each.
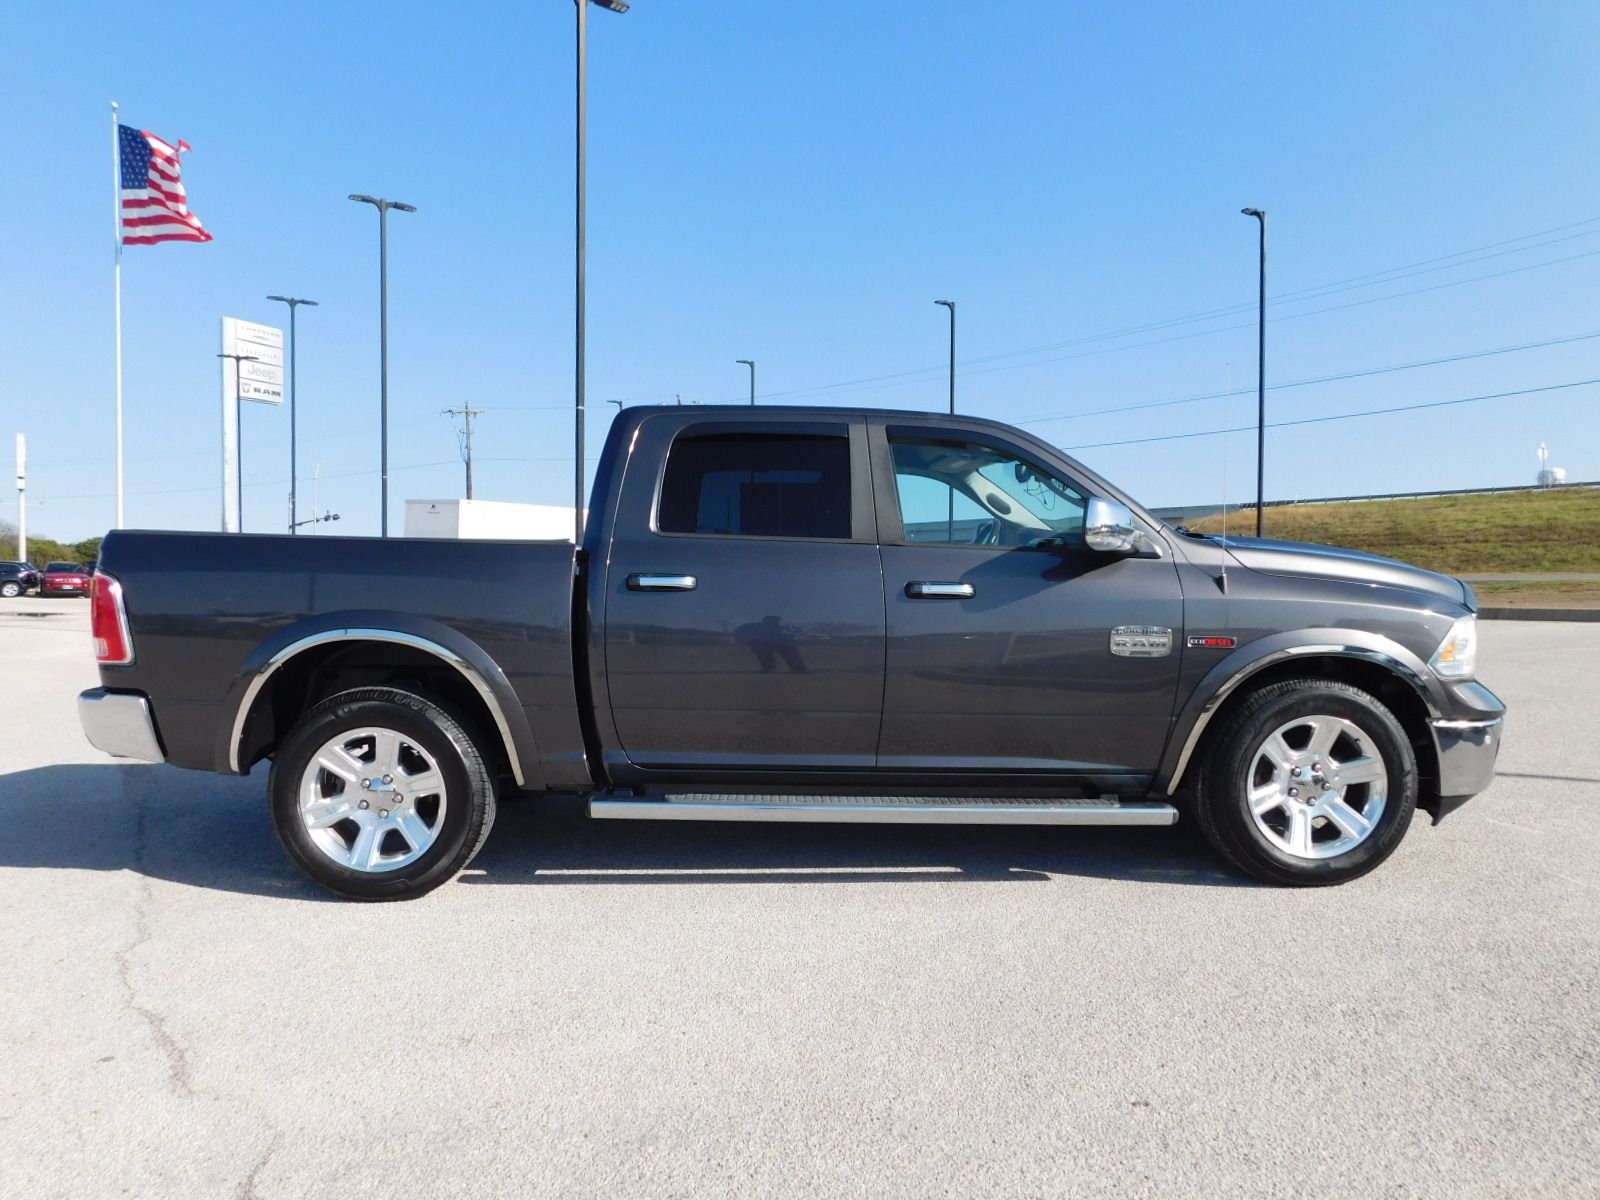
(380, 794)
(1307, 783)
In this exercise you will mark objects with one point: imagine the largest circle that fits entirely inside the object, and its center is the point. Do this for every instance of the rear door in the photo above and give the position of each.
(744, 622)
(1012, 647)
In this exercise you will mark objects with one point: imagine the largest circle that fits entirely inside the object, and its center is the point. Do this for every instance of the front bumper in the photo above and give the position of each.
(1467, 752)
(120, 724)
(1466, 740)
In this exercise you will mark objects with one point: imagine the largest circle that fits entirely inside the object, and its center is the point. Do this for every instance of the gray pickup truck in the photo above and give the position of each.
(802, 614)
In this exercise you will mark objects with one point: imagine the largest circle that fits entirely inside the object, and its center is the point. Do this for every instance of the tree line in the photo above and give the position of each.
(43, 550)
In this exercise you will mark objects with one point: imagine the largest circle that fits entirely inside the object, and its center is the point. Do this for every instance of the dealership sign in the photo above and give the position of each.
(260, 366)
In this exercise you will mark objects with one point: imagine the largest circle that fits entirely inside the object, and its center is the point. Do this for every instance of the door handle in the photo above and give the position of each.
(662, 583)
(927, 589)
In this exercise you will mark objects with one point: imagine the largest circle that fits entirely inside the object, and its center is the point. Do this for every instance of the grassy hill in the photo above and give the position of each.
(1550, 529)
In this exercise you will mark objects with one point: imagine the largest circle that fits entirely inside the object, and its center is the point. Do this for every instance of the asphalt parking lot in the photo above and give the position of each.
(762, 1010)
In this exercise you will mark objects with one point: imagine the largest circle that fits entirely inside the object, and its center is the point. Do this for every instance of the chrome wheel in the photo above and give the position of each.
(372, 799)
(1317, 787)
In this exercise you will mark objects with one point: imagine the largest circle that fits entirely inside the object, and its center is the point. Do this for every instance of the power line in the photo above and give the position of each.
(1373, 279)
(1362, 374)
(276, 482)
(1370, 412)
(1183, 337)
(1214, 314)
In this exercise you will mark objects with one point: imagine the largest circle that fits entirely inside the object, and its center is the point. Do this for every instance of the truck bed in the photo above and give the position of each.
(210, 613)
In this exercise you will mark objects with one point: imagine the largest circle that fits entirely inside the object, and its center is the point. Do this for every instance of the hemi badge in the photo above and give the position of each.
(1211, 641)
(1141, 641)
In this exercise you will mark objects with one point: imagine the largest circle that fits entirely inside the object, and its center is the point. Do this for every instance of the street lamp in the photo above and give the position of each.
(951, 305)
(238, 429)
(383, 207)
(293, 302)
(1261, 374)
(616, 6)
(751, 363)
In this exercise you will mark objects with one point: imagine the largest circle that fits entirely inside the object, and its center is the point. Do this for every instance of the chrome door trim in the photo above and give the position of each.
(645, 581)
(1231, 684)
(469, 672)
(928, 589)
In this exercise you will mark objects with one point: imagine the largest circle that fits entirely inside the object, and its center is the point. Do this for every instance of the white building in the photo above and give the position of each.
(488, 520)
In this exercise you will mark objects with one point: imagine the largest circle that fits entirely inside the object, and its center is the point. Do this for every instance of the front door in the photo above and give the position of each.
(744, 609)
(1000, 620)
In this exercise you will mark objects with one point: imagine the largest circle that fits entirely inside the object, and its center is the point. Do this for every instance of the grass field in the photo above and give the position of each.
(1550, 529)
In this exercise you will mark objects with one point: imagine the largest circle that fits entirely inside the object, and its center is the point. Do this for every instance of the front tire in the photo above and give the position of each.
(10, 589)
(1307, 783)
(380, 794)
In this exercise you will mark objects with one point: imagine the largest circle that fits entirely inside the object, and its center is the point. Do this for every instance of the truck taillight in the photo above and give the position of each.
(108, 621)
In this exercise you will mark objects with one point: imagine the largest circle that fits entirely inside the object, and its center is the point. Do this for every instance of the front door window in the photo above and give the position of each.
(965, 493)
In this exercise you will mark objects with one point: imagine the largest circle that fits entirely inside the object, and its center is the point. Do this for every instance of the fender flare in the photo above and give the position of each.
(418, 633)
(1227, 676)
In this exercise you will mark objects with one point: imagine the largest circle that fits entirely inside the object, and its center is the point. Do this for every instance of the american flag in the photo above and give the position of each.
(155, 208)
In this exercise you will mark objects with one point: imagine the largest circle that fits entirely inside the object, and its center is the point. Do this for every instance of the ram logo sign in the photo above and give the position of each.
(1141, 641)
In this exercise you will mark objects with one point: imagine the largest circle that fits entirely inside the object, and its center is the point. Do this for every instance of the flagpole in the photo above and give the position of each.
(116, 214)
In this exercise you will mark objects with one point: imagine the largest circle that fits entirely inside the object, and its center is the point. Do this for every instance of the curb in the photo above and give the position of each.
(1540, 614)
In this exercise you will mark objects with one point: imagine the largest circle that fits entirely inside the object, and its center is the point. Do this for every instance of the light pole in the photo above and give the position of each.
(293, 302)
(751, 363)
(951, 305)
(616, 6)
(238, 427)
(383, 207)
(1261, 375)
(950, 506)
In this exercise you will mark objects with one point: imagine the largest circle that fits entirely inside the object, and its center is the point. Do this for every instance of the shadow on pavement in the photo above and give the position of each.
(213, 832)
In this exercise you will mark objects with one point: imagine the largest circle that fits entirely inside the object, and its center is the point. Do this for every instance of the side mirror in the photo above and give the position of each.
(1109, 528)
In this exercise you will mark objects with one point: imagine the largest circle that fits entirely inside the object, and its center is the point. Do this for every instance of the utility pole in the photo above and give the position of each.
(468, 412)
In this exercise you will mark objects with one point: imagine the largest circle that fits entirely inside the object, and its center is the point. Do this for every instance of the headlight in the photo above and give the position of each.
(1457, 655)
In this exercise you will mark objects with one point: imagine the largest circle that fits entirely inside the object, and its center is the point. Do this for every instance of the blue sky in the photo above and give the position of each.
(797, 184)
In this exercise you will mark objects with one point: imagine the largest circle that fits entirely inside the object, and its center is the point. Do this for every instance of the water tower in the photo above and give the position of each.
(1549, 476)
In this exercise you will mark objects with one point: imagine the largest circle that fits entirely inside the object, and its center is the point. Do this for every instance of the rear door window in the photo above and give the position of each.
(757, 484)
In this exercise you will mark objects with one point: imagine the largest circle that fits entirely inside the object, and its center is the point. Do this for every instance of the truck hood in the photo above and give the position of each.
(1305, 560)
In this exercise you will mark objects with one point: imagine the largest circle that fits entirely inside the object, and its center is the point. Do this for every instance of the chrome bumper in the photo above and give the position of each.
(120, 724)
(1467, 751)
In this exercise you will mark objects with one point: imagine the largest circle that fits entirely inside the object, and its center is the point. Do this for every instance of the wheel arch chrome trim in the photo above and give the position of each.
(469, 672)
(1231, 684)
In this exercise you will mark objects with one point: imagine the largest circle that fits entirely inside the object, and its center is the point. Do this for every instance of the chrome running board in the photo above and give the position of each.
(884, 810)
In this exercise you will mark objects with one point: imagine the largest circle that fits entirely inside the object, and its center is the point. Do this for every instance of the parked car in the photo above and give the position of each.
(793, 614)
(16, 578)
(65, 579)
